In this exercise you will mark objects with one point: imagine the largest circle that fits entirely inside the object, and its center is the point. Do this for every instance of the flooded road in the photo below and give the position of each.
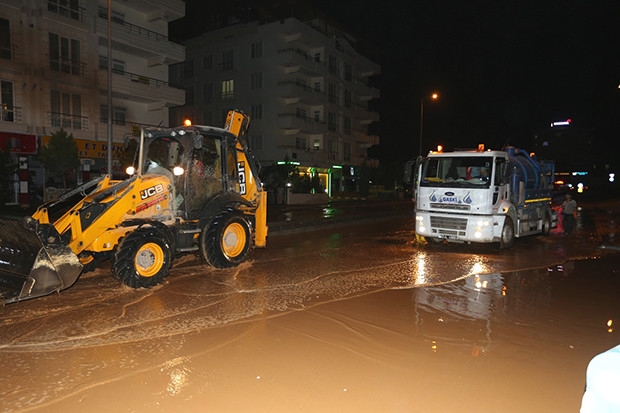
(349, 319)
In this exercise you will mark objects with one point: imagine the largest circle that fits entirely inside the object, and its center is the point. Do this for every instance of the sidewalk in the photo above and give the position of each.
(286, 219)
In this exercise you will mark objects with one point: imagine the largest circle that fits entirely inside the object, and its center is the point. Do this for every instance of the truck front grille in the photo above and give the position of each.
(448, 223)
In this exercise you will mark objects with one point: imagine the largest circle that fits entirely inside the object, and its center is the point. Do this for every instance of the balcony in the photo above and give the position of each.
(140, 88)
(295, 60)
(68, 121)
(292, 91)
(292, 124)
(365, 92)
(166, 10)
(152, 46)
(10, 114)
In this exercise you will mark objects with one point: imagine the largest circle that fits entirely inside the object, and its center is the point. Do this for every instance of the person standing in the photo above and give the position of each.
(569, 210)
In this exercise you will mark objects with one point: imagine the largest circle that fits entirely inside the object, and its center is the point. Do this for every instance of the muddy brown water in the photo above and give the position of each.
(499, 342)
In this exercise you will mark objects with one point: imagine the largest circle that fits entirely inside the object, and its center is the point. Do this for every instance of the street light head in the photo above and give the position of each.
(435, 96)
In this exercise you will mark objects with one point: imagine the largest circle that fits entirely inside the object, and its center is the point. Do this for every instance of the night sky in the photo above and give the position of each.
(504, 69)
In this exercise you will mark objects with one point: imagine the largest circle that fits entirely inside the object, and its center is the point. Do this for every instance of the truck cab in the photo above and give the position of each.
(482, 196)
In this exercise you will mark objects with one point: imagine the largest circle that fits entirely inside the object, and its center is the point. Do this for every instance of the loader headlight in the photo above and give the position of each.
(178, 171)
(130, 170)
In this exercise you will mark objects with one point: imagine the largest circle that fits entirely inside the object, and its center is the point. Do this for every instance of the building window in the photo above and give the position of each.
(118, 66)
(228, 89)
(207, 118)
(332, 150)
(317, 115)
(333, 65)
(64, 54)
(256, 80)
(227, 60)
(332, 122)
(301, 82)
(207, 92)
(256, 112)
(256, 142)
(189, 95)
(317, 86)
(347, 98)
(5, 39)
(300, 143)
(66, 110)
(346, 125)
(348, 72)
(207, 62)
(67, 8)
(7, 111)
(332, 93)
(346, 151)
(119, 114)
(256, 50)
(300, 113)
(188, 69)
(115, 16)
(317, 57)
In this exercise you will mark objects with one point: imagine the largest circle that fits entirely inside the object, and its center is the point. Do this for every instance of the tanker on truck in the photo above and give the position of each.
(483, 196)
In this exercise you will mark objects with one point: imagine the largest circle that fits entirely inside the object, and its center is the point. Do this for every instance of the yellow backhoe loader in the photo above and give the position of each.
(192, 189)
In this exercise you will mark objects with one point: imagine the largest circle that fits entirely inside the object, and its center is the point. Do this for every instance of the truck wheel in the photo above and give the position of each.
(508, 234)
(143, 258)
(226, 241)
(546, 224)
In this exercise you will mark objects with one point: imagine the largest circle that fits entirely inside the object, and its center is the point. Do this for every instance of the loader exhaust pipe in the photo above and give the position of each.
(34, 261)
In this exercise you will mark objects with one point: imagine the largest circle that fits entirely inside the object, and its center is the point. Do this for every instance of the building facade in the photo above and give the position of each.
(304, 86)
(54, 56)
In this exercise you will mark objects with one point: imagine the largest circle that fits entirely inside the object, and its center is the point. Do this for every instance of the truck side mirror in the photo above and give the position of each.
(500, 171)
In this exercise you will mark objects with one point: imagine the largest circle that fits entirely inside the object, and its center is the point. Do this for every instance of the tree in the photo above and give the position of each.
(60, 155)
(8, 168)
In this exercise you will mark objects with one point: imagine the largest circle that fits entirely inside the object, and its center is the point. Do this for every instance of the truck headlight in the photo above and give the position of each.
(420, 224)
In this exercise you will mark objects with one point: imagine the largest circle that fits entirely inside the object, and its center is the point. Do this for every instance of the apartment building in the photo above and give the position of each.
(54, 59)
(304, 85)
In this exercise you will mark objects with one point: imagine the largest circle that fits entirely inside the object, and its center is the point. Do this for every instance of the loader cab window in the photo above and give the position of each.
(163, 154)
(204, 177)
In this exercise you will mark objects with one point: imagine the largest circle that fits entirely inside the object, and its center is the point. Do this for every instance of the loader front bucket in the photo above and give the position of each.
(34, 261)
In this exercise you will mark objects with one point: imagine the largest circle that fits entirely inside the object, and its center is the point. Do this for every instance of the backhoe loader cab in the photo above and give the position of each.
(194, 189)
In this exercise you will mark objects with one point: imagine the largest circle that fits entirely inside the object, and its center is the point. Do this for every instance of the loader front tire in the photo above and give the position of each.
(143, 258)
(226, 241)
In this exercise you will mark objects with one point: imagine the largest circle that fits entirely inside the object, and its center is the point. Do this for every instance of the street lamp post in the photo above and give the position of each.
(433, 96)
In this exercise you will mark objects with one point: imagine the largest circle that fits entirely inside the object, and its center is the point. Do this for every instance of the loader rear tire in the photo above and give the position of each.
(226, 241)
(143, 258)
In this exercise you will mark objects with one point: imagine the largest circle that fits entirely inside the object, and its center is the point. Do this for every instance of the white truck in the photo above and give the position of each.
(483, 196)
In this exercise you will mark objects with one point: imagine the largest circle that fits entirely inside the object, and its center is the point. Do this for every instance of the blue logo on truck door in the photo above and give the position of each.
(450, 198)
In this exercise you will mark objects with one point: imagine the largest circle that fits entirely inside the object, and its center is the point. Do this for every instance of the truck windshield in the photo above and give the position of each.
(467, 171)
